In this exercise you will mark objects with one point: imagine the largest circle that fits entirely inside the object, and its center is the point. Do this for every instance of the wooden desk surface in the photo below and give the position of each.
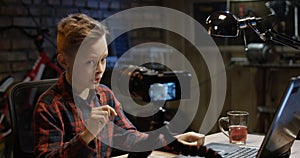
(252, 140)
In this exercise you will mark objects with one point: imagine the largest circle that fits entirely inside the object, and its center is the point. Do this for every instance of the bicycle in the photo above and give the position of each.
(40, 70)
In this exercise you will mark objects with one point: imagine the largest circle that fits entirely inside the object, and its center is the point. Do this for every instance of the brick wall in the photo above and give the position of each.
(18, 52)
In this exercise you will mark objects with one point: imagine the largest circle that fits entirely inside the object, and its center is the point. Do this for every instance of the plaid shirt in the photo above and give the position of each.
(58, 123)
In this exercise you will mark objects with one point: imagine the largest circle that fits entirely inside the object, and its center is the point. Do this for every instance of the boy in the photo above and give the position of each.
(76, 116)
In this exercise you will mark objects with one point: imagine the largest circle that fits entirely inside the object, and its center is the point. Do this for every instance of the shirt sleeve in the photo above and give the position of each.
(49, 136)
(127, 137)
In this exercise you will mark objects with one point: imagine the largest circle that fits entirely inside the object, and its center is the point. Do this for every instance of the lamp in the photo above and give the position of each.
(226, 24)
(223, 24)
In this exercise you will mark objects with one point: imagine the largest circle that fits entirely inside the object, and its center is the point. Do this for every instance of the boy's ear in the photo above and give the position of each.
(62, 60)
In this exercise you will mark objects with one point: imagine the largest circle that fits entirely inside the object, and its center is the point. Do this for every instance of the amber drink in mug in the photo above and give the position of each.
(237, 126)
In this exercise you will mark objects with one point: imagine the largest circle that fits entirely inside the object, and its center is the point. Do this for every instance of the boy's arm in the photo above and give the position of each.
(49, 136)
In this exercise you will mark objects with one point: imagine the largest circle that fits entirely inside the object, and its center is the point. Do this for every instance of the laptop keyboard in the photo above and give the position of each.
(242, 152)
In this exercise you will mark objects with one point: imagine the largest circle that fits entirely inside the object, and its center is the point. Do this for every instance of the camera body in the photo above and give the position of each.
(151, 85)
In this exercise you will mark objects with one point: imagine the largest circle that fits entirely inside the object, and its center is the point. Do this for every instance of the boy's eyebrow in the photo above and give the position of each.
(105, 54)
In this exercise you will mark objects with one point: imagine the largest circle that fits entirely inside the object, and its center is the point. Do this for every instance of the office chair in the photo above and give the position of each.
(22, 100)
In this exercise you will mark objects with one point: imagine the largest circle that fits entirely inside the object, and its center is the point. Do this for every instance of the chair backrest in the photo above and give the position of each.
(22, 100)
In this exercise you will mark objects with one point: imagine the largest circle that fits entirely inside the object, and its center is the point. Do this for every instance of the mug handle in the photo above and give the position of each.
(223, 119)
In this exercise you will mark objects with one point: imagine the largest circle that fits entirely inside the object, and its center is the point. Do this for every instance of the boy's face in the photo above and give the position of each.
(89, 64)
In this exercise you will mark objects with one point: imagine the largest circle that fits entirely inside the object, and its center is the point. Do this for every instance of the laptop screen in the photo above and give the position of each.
(286, 124)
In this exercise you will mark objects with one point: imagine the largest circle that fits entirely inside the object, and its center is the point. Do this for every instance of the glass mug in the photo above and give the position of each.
(237, 126)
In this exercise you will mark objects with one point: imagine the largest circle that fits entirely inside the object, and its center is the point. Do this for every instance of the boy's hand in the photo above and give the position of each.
(191, 138)
(98, 118)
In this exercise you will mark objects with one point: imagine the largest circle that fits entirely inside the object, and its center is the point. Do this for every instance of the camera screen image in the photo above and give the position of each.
(162, 91)
(147, 84)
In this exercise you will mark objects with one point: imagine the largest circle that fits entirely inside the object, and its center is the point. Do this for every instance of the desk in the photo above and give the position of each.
(252, 140)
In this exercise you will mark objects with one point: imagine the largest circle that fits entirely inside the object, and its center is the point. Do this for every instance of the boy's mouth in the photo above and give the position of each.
(97, 80)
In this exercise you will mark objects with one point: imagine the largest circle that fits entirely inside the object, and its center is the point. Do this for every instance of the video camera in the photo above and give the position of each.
(147, 84)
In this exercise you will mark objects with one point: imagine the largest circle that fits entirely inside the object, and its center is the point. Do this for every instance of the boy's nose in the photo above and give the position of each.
(100, 67)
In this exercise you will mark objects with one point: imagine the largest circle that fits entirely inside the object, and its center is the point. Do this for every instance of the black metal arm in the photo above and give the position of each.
(282, 39)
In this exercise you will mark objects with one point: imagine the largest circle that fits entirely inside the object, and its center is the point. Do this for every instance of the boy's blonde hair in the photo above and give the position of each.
(73, 29)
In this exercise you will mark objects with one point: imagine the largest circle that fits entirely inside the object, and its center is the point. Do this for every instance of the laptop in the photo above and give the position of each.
(281, 134)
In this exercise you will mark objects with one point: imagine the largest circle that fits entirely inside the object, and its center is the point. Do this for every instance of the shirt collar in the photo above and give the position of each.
(64, 87)
(67, 91)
